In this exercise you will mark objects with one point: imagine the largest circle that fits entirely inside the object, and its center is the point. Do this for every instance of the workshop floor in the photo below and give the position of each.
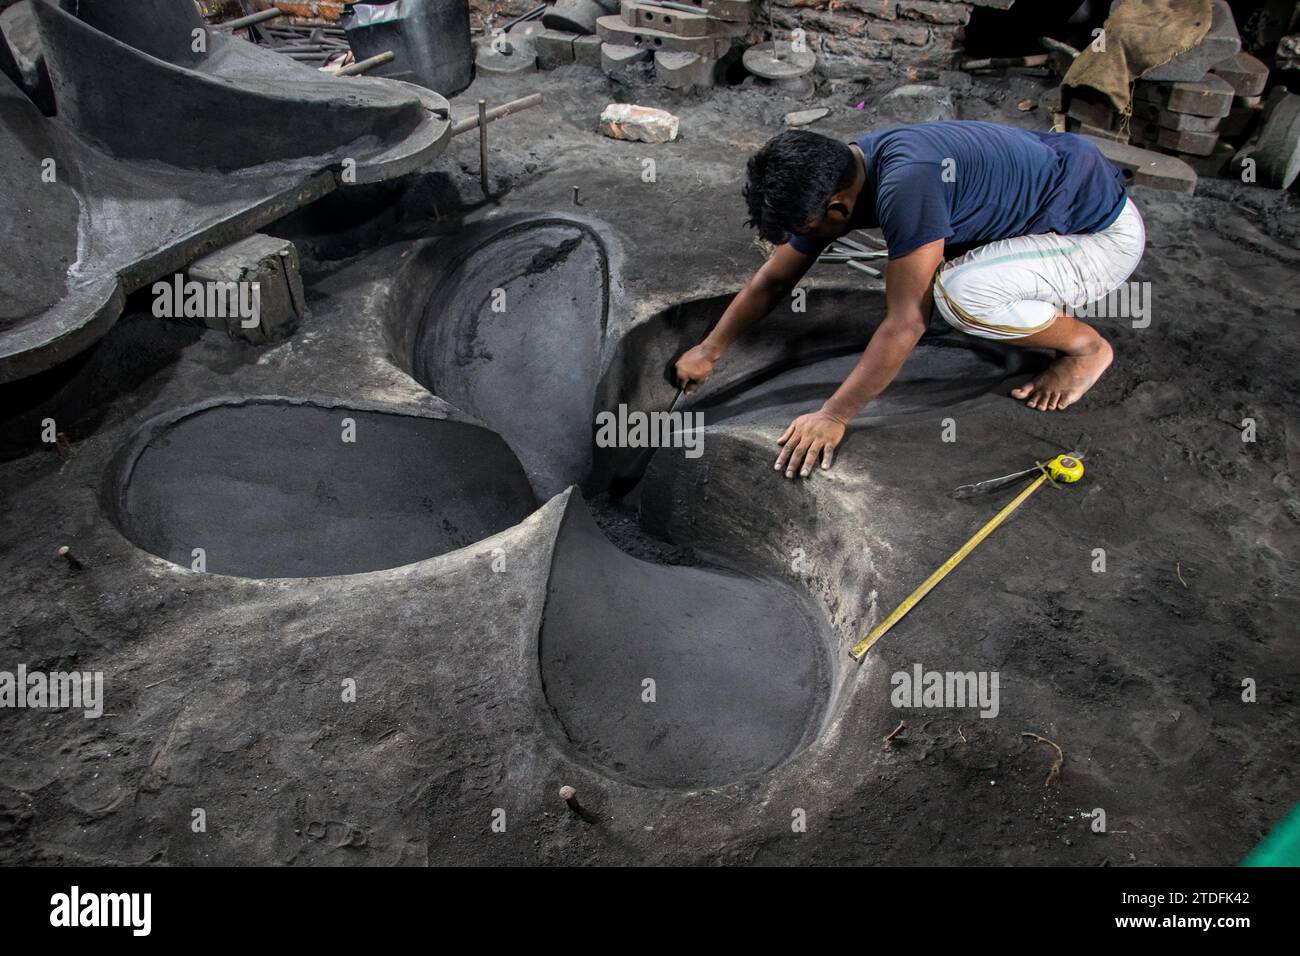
(481, 681)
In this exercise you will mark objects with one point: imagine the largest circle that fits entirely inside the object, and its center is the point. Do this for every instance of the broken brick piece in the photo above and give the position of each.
(641, 124)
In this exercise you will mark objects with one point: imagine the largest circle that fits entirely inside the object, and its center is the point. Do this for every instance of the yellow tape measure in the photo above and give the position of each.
(1063, 468)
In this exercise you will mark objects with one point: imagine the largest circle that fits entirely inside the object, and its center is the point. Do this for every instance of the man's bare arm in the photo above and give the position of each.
(908, 298)
(770, 284)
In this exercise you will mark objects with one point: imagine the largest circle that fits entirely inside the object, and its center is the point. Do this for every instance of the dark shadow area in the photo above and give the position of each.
(354, 221)
(79, 394)
(1015, 32)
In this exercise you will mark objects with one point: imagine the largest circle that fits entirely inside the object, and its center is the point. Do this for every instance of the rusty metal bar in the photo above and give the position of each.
(253, 18)
(498, 112)
(362, 65)
(482, 146)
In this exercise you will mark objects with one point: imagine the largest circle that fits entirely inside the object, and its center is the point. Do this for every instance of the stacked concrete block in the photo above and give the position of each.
(1247, 76)
(1181, 118)
(1195, 107)
(568, 33)
(677, 44)
(1221, 42)
(683, 41)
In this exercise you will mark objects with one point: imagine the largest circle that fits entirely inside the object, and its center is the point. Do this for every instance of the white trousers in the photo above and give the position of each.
(1015, 287)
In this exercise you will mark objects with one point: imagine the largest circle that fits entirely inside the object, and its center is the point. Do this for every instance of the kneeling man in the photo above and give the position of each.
(1001, 230)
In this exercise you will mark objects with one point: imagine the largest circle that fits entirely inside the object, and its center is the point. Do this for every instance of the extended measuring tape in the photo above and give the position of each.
(1066, 469)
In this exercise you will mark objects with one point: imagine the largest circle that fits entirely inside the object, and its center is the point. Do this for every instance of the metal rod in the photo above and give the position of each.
(362, 65)
(844, 255)
(260, 17)
(482, 146)
(854, 264)
(855, 246)
(530, 15)
(1006, 62)
(497, 112)
(1056, 46)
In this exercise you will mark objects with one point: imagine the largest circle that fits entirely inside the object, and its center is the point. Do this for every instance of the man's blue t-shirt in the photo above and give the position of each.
(969, 183)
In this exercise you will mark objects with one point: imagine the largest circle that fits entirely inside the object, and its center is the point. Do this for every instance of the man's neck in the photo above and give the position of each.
(860, 179)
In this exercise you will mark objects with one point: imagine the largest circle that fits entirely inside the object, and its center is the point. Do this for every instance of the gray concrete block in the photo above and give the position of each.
(677, 22)
(1244, 73)
(1154, 113)
(1089, 113)
(586, 51)
(1114, 135)
(618, 58)
(1142, 167)
(612, 29)
(1220, 43)
(1185, 141)
(554, 48)
(264, 271)
(1208, 97)
(574, 16)
(683, 71)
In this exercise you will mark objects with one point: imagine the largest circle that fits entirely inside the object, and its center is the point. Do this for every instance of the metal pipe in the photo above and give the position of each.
(260, 17)
(362, 65)
(482, 146)
(497, 112)
(850, 244)
(854, 264)
(1006, 62)
(844, 255)
(530, 15)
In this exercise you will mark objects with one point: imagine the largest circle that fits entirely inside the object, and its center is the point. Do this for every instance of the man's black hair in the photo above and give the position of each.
(791, 178)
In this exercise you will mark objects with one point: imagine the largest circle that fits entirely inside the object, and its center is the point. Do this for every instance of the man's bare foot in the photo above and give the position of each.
(1067, 379)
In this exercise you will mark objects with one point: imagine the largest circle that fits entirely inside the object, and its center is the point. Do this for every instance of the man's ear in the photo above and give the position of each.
(837, 209)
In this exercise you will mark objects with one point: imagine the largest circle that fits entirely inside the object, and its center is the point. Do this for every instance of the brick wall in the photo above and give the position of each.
(861, 38)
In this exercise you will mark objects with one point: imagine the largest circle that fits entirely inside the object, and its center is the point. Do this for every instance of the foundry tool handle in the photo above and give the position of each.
(253, 18)
(1064, 467)
(497, 112)
(992, 484)
(379, 59)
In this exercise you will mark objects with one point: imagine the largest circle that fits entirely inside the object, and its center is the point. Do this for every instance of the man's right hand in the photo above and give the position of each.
(694, 367)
